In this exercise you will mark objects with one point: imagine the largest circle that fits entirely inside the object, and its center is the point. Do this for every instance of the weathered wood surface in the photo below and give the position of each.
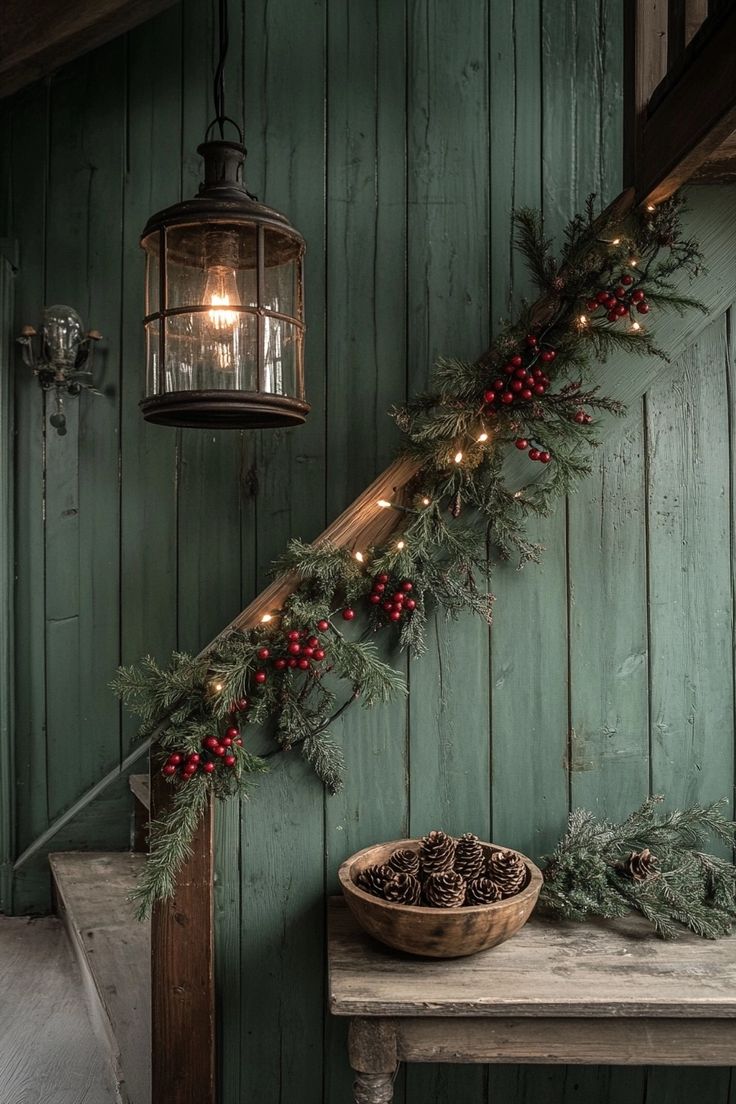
(140, 787)
(613, 968)
(37, 40)
(113, 951)
(48, 1048)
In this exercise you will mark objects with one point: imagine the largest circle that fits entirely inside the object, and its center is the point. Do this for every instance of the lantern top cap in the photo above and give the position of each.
(222, 195)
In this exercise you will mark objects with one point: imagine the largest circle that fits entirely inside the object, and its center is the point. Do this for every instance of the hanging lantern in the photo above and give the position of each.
(224, 301)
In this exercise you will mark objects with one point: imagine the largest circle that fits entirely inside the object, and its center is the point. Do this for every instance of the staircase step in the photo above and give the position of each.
(114, 953)
(140, 785)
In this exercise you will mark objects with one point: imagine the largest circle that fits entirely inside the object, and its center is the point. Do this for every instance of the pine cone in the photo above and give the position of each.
(445, 889)
(508, 872)
(469, 857)
(404, 889)
(456, 505)
(374, 878)
(640, 866)
(482, 891)
(405, 861)
(437, 853)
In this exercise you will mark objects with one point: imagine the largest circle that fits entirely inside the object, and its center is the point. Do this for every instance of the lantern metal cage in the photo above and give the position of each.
(224, 317)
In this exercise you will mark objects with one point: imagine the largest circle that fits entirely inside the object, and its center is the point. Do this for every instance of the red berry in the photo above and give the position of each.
(189, 769)
(545, 457)
(537, 373)
(307, 652)
(527, 394)
(548, 356)
(378, 588)
(619, 292)
(410, 604)
(174, 759)
(263, 653)
(498, 385)
(382, 578)
(293, 635)
(520, 373)
(621, 310)
(516, 385)
(637, 296)
(239, 741)
(516, 360)
(169, 769)
(241, 704)
(612, 316)
(208, 767)
(260, 676)
(348, 614)
(303, 664)
(588, 419)
(219, 750)
(226, 741)
(375, 599)
(531, 340)
(193, 758)
(319, 654)
(522, 443)
(294, 648)
(539, 388)
(230, 761)
(313, 642)
(280, 664)
(397, 597)
(627, 279)
(507, 397)
(508, 368)
(580, 417)
(533, 454)
(592, 304)
(406, 586)
(602, 297)
(210, 741)
(387, 606)
(395, 615)
(232, 731)
(643, 308)
(489, 396)
(293, 662)
(323, 625)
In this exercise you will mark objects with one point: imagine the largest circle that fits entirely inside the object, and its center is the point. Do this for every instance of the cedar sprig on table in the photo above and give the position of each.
(588, 873)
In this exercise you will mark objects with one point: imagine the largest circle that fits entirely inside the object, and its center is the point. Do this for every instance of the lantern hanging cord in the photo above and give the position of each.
(219, 81)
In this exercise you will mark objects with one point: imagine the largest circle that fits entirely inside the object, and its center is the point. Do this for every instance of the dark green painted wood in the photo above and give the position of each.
(7, 690)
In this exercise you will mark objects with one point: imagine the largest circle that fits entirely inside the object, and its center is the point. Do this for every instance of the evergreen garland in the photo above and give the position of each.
(202, 710)
(597, 870)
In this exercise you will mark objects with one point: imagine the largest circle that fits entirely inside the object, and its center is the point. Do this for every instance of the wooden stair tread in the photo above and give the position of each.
(114, 951)
(140, 786)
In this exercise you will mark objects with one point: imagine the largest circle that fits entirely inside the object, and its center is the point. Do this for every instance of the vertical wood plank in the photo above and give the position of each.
(7, 693)
(645, 61)
(691, 607)
(29, 149)
(366, 358)
(82, 503)
(447, 312)
(282, 856)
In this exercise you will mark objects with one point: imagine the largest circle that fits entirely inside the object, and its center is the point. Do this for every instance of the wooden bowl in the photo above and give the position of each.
(436, 932)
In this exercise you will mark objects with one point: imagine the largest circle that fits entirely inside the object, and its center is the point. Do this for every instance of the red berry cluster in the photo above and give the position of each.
(298, 649)
(620, 301)
(214, 749)
(582, 418)
(528, 381)
(534, 453)
(393, 598)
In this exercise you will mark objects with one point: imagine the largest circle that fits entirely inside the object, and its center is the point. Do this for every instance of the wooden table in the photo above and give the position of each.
(608, 993)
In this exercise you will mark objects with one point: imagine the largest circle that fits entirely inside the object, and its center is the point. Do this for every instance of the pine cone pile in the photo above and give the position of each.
(448, 873)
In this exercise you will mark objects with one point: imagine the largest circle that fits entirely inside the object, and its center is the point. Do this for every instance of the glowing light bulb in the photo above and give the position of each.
(384, 504)
(221, 290)
(651, 207)
(425, 502)
(483, 437)
(400, 545)
(633, 262)
(359, 556)
(517, 494)
(266, 618)
(616, 241)
(458, 458)
(583, 320)
(635, 327)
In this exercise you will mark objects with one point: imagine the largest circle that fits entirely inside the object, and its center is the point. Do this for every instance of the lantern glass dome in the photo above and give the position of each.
(224, 306)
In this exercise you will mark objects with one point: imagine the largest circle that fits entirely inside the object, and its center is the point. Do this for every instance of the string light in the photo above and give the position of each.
(359, 556)
(633, 262)
(651, 207)
(517, 494)
(400, 545)
(482, 438)
(583, 320)
(384, 504)
(616, 241)
(635, 327)
(425, 502)
(266, 618)
(458, 458)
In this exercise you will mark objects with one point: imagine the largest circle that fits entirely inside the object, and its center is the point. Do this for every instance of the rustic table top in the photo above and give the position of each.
(551, 968)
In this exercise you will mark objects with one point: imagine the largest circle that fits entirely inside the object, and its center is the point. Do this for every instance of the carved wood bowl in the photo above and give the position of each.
(436, 932)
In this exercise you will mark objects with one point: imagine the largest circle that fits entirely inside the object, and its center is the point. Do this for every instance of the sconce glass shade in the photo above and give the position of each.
(224, 307)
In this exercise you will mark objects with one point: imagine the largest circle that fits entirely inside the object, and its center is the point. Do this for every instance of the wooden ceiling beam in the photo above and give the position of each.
(692, 120)
(38, 37)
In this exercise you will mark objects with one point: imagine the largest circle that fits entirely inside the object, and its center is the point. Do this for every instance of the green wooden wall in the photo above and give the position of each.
(398, 135)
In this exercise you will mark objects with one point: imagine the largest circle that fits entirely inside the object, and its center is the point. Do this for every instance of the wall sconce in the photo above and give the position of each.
(60, 357)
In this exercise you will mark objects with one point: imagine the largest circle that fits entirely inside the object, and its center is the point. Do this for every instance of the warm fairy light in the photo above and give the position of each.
(384, 504)
(651, 207)
(482, 437)
(616, 241)
(635, 327)
(266, 618)
(425, 502)
(359, 556)
(583, 320)
(517, 494)
(458, 458)
(633, 262)
(400, 545)
(217, 687)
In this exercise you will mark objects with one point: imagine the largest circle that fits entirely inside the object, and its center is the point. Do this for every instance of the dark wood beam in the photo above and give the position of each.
(182, 973)
(692, 120)
(645, 65)
(38, 36)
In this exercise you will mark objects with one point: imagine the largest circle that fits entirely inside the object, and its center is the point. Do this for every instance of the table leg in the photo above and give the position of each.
(373, 1088)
